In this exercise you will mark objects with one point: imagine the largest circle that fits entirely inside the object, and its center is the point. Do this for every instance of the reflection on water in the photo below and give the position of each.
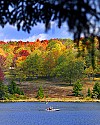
(34, 113)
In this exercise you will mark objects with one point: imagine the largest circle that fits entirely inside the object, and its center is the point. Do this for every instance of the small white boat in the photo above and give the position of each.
(52, 109)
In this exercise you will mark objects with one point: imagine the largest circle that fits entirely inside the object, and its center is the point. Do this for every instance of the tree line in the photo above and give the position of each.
(94, 93)
(10, 91)
(60, 59)
(54, 58)
(49, 59)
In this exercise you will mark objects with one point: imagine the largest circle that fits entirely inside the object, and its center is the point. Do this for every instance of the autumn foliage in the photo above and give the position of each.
(41, 57)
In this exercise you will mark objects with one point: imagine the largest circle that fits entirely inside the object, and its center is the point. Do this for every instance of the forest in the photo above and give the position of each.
(62, 60)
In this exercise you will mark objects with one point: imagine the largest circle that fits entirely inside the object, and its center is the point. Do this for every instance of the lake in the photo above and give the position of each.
(34, 113)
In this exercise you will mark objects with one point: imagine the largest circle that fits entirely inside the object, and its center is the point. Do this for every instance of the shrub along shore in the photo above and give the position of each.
(53, 100)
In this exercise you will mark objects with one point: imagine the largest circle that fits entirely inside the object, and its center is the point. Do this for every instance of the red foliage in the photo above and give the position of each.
(31, 43)
(2, 42)
(87, 43)
(23, 53)
(16, 55)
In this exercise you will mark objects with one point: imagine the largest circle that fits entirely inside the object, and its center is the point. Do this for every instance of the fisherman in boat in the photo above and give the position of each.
(50, 108)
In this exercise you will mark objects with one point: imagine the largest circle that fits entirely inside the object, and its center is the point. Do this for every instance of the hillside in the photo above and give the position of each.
(54, 64)
(55, 89)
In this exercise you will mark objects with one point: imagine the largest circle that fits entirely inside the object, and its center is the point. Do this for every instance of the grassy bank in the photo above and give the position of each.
(54, 91)
(76, 99)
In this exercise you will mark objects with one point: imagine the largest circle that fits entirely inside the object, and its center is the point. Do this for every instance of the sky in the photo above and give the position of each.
(10, 33)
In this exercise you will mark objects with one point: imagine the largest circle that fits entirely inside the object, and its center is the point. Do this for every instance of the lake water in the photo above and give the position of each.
(34, 113)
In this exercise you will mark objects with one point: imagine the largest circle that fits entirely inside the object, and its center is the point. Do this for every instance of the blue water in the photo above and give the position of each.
(34, 113)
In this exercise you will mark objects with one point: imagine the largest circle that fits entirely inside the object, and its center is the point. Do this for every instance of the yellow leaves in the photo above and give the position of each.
(20, 60)
(89, 70)
(2, 52)
(36, 52)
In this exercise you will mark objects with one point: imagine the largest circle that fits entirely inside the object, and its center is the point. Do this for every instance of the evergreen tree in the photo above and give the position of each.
(96, 90)
(89, 92)
(40, 93)
(77, 88)
(14, 89)
(2, 92)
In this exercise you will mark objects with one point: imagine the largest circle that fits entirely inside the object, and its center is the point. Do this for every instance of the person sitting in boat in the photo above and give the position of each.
(50, 108)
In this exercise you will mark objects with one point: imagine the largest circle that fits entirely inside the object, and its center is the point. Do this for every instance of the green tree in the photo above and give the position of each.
(55, 49)
(40, 93)
(74, 71)
(14, 89)
(2, 93)
(88, 60)
(96, 90)
(70, 71)
(49, 64)
(77, 87)
(89, 94)
(33, 66)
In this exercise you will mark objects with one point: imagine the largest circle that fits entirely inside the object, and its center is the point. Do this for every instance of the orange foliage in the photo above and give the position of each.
(2, 52)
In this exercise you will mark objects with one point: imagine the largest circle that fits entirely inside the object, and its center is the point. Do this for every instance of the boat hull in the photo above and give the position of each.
(52, 110)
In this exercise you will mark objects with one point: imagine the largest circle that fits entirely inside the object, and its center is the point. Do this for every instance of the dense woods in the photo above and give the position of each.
(58, 59)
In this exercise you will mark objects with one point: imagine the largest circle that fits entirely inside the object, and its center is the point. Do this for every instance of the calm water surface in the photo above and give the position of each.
(34, 113)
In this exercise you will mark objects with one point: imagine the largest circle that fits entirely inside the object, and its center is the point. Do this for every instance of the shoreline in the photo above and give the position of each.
(52, 100)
